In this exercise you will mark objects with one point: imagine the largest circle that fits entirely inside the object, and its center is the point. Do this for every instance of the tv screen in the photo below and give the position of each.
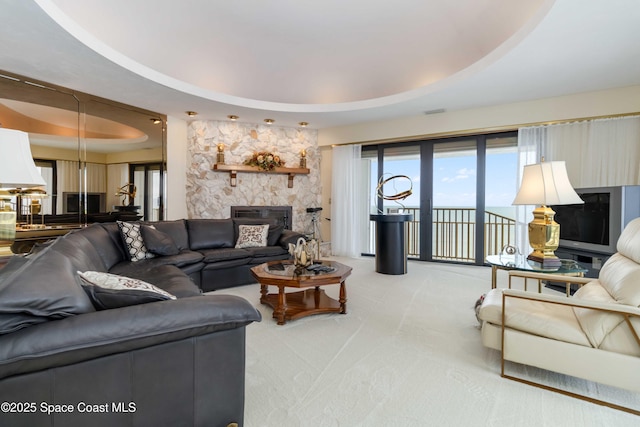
(588, 222)
(73, 202)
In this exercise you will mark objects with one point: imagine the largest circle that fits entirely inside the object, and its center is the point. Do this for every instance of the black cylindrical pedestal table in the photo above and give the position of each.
(391, 256)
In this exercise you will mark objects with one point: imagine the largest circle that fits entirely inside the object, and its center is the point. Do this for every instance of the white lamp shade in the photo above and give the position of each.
(547, 184)
(17, 169)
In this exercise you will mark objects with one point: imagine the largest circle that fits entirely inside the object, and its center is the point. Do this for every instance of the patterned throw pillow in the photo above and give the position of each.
(252, 236)
(108, 290)
(132, 237)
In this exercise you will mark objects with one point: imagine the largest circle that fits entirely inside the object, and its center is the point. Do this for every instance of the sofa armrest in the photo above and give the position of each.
(289, 236)
(91, 335)
(573, 302)
(551, 277)
(568, 280)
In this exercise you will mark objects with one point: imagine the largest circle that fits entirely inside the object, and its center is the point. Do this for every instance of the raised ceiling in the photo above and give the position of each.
(302, 52)
(58, 127)
(327, 62)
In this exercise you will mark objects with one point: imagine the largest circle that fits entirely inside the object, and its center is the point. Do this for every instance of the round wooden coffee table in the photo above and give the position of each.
(294, 305)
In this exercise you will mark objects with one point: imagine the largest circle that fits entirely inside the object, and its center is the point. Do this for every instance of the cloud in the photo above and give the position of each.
(461, 174)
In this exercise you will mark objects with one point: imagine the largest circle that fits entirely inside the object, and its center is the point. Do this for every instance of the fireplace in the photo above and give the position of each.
(282, 214)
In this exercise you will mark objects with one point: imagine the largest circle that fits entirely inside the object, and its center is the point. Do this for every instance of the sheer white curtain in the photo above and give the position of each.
(532, 144)
(46, 202)
(597, 153)
(348, 202)
(68, 176)
(96, 178)
(117, 176)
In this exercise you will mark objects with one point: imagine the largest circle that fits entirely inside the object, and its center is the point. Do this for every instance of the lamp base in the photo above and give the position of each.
(545, 262)
(544, 237)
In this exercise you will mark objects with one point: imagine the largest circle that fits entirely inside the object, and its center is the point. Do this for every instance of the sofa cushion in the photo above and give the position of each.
(176, 229)
(268, 251)
(113, 291)
(83, 254)
(182, 259)
(252, 236)
(535, 317)
(628, 243)
(275, 230)
(596, 324)
(132, 238)
(115, 237)
(210, 233)
(224, 254)
(43, 288)
(110, 251)
(158, 242)
(620, 276)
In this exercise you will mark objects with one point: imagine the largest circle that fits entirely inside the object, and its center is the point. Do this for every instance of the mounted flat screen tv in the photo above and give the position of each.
(595, 226)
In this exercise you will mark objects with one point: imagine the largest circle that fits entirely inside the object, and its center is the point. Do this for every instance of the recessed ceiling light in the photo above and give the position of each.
(191, 113)
(232, 117)
(303, 124)
(269, 121)
(156, 121)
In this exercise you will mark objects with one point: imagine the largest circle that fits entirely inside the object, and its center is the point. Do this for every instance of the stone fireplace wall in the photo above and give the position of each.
(209, 193)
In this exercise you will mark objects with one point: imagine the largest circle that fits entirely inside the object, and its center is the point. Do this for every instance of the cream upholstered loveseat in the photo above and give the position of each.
(593, 335)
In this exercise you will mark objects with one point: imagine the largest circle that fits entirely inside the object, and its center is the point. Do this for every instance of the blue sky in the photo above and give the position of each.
(455, 180)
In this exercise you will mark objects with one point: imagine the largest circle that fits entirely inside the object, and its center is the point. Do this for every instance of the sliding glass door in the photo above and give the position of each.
(452, 181)
(148, 179)
(392, 171)
(453, 211)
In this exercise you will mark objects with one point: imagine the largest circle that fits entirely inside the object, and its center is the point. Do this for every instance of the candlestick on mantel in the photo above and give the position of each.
(220, 157)
(303, 159)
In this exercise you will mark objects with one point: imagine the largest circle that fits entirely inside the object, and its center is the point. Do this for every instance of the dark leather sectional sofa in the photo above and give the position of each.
(168, 363)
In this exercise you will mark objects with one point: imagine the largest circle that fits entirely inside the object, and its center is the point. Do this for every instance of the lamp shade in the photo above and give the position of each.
(17, 169)
(547, 184)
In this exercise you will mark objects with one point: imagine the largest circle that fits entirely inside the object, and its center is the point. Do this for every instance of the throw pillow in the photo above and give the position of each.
(158, 242)
(252, 236)
(133, 240)
(108, 290)
(275, 230)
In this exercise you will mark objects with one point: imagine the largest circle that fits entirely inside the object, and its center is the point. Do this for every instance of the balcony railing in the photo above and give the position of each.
(454, 233)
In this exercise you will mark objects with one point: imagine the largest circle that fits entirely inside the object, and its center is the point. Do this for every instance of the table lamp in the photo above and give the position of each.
(17, 171)
(544, 184)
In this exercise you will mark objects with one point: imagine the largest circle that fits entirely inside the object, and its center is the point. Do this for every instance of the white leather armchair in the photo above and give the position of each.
(593, 335)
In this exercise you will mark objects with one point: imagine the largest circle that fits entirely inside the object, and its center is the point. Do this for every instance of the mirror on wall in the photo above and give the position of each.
(90, 151)
(125, 140)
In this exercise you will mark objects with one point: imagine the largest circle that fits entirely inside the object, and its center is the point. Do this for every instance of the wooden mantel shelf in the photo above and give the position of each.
(234, 169)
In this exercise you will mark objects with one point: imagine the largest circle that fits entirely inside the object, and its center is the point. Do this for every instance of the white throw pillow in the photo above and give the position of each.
(132, 237)
(108, 290)
(252, 236)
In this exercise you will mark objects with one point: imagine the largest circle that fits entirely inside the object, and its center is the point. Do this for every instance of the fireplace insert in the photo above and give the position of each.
(282, 214)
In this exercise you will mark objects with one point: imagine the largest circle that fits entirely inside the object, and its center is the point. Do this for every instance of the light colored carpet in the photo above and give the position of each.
(407, 353)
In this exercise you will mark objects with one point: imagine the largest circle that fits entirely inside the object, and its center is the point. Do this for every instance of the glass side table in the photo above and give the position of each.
(568, 267)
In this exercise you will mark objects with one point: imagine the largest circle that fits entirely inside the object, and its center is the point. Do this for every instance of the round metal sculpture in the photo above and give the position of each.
(127, 190)
(400, 195)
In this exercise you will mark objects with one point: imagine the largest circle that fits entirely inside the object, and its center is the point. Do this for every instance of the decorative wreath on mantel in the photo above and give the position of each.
(265, 160)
